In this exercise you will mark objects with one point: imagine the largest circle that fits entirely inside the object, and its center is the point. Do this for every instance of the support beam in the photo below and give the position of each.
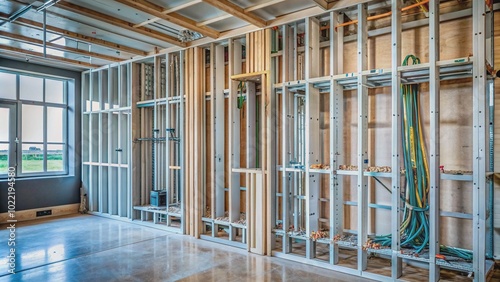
(341, 4)
(168, 11)
(336, 134)
(246, 10)
(214, 20)
(362, 136)
(175, 18)
(434, 180)
(75, 36)
(479, 187)
(37, 42)
(322, 3)
(262, 5)
(40, 55)
(118, 23)
(396, 27)
(237, 11)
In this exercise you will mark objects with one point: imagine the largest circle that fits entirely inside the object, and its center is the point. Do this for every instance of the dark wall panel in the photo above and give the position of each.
(51, 191)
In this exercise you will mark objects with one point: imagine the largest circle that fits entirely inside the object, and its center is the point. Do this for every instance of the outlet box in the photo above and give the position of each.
(43, 213)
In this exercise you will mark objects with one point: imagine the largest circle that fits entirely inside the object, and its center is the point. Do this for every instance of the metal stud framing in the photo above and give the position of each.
(299, 152)
(396, 269)
(362, 136)
(434, 83)
(359, 81)
(479, 141)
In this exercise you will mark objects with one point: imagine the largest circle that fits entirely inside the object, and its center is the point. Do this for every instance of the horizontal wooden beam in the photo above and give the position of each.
(216, 19)
(246, 10)
(237, 11)
(168, 11)
(75, 36)
(118, 22)
(341, 4)
(263, 5)
(38, 42)
(175, 18)
(52, 57)
(322, 3)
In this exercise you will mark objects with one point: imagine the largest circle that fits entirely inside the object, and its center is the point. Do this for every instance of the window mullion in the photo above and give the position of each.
(45, 128)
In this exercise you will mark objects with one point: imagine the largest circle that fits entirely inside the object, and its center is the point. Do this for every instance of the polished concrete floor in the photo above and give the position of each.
(92, 248)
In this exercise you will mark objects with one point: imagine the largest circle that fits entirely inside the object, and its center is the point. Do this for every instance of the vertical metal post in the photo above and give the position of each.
(491, 163)
(99, 157)
(362, 136)
(295, 55)
(168, 124)
(182, 142)
(434, 86)
(234, 124)
(479, 142)
(45, 33)
(396, 268)
(490, 58)
(336, 134)
(286, 136)
(312, 143)
(219, 116)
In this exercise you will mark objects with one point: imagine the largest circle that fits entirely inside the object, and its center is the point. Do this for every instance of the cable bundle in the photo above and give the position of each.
(415, 224)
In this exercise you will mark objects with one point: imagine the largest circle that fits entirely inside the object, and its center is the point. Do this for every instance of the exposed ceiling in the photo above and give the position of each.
(82, 34)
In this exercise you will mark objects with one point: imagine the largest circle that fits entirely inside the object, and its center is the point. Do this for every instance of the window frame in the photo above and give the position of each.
(45, 143)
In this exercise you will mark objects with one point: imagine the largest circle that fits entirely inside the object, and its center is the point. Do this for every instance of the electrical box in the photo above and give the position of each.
(158, 198)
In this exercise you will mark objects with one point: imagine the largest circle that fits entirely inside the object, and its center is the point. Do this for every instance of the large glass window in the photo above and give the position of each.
(41, 135)
(8, 82)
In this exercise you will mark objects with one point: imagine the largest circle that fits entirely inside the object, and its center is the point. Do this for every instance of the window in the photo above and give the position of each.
(40, 136)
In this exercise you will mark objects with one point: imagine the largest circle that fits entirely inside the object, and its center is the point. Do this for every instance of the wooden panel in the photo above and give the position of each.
(25, 215)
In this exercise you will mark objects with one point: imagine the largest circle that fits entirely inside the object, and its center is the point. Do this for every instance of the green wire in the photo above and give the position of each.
(416, 233)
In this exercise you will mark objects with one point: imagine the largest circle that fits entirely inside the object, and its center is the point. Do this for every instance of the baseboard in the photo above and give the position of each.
(31, 214)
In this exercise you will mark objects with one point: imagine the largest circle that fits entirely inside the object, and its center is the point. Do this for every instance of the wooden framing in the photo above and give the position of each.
(195, 152)
(322, 3)
(168, 11)
(237, 11)
(246, 10)
(119, 23)
(172, 17)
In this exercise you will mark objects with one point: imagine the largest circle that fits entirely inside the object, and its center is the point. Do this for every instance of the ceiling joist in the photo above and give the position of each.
(53, 46)
(168, 11)
(52, 57)
(246, 10)
(237, 11)
(75, 36)
(322, 3)
(119, 23)
(174, 18)
(262, 5)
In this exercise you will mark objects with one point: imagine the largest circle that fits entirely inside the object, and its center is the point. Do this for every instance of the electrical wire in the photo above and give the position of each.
(415, 223)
